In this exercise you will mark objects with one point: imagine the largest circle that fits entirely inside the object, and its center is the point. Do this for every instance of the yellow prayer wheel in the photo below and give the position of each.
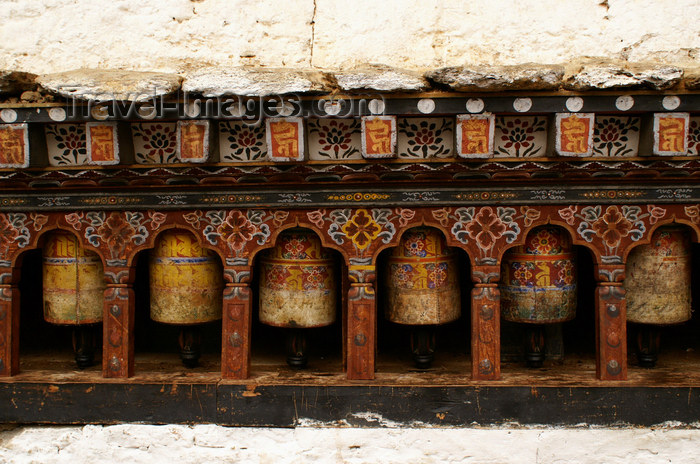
(73, 281)
(186, 281)
(539, 279)
(657, 281)
(297, 282)
(421, 280)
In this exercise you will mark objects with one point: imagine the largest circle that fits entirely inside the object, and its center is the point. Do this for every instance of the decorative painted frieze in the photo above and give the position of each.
(66, 144)
(694, 136)
(14, 146)
(670, 132)
(193, 141)
(474, 135)
(520, 136)
(155, 142)
(574, 134)
(285, 139)
(335, 139)
(378, 136)
(102, 143)
(420, 138)
(242, 141)
(616, 136)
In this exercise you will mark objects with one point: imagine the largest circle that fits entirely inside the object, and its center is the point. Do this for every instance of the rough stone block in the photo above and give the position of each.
(66, 144)
(670, 132)
(520, 136)
(242, 141)
(616, 136)
(155, 142)
(425, 138)
(14, 145)
(102, 143)
(574, 134)
(380, 78)
(285, 139)
(334, 139)
(193, 141)
(528, 76)
(474, 135)
(694, 136)
(378, 136)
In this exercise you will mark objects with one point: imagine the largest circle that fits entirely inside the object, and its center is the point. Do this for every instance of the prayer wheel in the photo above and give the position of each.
(422, 288)
(73, 281)
(297, 289)
(539, 286)
(186, 288)
(657, 288)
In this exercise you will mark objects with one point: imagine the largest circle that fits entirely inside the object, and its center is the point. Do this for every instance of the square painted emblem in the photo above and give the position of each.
(574, 134)
(474, 135)
(671, 134)
(378, 136)
(14, 145)
(102, 144)
(285, 139)
(193, 141)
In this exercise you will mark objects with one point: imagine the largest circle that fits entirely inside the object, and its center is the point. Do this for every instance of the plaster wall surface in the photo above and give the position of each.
(167, 444)
(45, 36)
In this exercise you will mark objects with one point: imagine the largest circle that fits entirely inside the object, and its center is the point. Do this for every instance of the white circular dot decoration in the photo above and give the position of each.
(100, 113)
(147, 111)
(284, 109)
(192, 109)
(522, 105)
(8, 115)
(671, 103)
(426, 105)
(332, 108)
(574, 104)
(57, 114)
(624, 102)
(475, 105)
(376, 106)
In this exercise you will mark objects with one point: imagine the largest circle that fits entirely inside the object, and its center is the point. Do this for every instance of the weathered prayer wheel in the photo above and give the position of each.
(74, 285)
(186, 288)
(539, 285)
(657, 287)
(422, 288)
(297, 289)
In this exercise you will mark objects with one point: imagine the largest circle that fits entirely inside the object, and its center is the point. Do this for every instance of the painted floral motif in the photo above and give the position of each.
(522, 273)
(693, 212)
(242, 141)
(14, 230)
(155, 143)
(565, 272)
(425, 138)
(334, 139)
(275, 276)
(616, 136)
(234, 227)
(520, 137)
(414, 245)
(545, 241)
(116, 230)
(362, 227)
(694, 136)
(485, 226)
(437, 274)
(66, 144)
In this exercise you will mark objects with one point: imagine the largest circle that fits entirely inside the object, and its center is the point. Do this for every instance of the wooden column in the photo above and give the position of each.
(236, 324)
(486, 324)
(9, 326)
(611, 324)
(362, 323)
(118, 327)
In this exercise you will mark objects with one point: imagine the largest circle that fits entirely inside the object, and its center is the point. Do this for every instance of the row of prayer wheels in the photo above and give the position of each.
(299, 280)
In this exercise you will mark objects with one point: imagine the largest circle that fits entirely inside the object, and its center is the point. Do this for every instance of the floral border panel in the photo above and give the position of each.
(694, 136)
(520, 136)
(334, 139)
(155, 142)
(616, 136)
(242, 141)
(420, 138)
(66, 144)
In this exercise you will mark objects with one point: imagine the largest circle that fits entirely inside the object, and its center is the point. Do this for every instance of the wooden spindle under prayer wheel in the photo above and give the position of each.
(657, 288)
(539, 286)
(297, 289)
(186, 289)
(74, 286)
(422, 289)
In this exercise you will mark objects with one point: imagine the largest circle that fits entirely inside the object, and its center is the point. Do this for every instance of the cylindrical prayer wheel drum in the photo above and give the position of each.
(297, 282)
(186, 281)
(539, 279)
(657, 279)
(422, 284)
(73, 281)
